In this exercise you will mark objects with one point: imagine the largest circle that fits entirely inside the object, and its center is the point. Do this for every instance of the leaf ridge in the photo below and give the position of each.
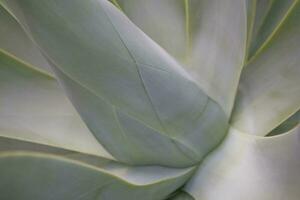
(93, 92)
(138, 71)
(26, 64)
(187, 28)
(250, 27)
(116, 107)
(120, 126)
(265, 16)
(176, 143)
(174, 140)
(270, 37)
(116, 3)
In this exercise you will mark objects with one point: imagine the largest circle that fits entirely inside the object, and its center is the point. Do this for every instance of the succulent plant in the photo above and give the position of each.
(149, 100)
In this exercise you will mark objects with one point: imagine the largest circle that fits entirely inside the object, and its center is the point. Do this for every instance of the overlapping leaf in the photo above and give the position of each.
(269, 90)
(34, 108)
(147, 109)
(29, 171)
(14, 40)
(139, 103)
(267, 17)
(207, 36)
(250, 167)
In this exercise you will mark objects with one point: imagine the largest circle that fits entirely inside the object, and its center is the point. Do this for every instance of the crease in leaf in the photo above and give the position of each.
(267, 22)
(144, 106)
(211, 37)
(187, 28)
(34, 108)
(14, 40)
(269, 87)
(127, 81)
(51, 169)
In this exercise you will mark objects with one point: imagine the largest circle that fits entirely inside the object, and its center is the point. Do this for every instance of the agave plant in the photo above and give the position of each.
(149, 100)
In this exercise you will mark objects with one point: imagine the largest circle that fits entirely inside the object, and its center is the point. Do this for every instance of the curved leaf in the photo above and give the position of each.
(34, 108)
(14, 40)
(250, 167)
(121, 82)
(251, 14)
(269, 15)
(269, 90)
(163, 21)
(41, 172)
(208, 37)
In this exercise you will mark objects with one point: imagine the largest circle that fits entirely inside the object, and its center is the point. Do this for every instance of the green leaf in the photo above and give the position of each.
(208, 37)
(269, 90)
(163, 21)
(14, 40)
(251, 14)
(287, 125)
(137, 100)
(250, 167)
(269, 15)
(29, 171)
(34, 108)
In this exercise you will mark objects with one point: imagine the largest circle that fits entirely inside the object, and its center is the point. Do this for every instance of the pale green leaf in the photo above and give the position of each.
(137, 100)
(208, 37)
(250, 167)
(269, 90)
(269, 15)
(34, 108)
(29, 171)
(14, 40)
(163, 21)
(251, 14)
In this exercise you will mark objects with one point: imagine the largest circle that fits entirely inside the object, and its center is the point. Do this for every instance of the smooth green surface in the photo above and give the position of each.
(269, 89)
(207, 37)
(150, 102)
(14, 40)
(250, 167)
(269, 15)
(30, 171)
(34, 108)
(163, 21)
(121, 82)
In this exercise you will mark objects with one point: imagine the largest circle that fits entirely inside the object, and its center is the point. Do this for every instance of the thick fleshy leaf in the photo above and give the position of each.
(29, 171)
(269, 15)
(208, 37)
(257, 13)
(14, 40)
(250, 167)
(34, 108)
(121, 82)
(163, 21)
(269, 90)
